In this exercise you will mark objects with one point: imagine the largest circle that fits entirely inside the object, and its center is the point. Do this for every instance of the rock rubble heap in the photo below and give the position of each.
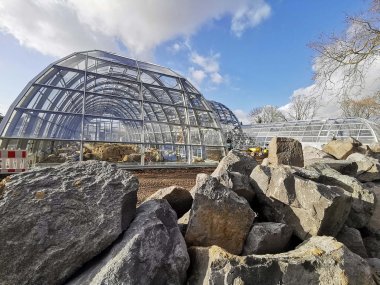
(307, 216)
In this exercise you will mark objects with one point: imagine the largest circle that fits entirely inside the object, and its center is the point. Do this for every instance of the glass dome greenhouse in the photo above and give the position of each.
(98, 105)
(316, 132)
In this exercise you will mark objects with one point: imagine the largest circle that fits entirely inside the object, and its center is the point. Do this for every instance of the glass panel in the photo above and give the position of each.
(112, 107)
(33, 124)
(52, 99)
(213, 154)
(110, 86)
(113, 130)
(77, 61)
(211, 137)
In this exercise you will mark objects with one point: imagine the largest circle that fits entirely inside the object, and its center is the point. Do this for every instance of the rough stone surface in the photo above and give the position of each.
(310, 208)
(320, 260)
(178, 197)
(53, 220)
(151, 251)
(241, 185)
(375, 147)
(368, 167)
(375, 267)
(234, 161)
(199, 181)
(341, 149)
(219, 217)
(285, 151)
(372, 244)
(364, 200)
(343, 166)
(352, 239)
(312, 154)
(374, 222)
(267, 238)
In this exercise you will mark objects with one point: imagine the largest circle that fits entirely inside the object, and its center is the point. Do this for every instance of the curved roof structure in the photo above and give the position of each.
(95, 96)
(226, 117)
(316, 132)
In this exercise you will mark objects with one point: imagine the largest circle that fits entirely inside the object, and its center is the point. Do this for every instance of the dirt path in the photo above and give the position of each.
(153, 179)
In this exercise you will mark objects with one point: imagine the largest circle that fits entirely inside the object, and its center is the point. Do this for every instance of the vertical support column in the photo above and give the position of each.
(83, 109)
(187, 126)
(142, 135)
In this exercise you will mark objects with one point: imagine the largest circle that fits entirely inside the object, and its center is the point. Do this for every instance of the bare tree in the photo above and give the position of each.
(368, 107)
(266, 114)
(303, 107)
(343, 60)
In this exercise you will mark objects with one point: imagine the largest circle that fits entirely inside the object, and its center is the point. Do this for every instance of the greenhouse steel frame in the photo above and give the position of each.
(100, 97)
(316, 132)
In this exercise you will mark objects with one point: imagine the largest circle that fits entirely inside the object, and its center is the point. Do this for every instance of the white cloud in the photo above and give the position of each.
(197, 75)
(249, 17)
(242, 116)
(58, 27)
(216, 78)
(209, 65)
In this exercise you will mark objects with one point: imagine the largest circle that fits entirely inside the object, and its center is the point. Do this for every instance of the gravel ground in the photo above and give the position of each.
(153, 179)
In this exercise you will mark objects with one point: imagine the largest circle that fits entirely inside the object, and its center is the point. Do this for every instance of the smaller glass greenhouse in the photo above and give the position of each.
(316, 132)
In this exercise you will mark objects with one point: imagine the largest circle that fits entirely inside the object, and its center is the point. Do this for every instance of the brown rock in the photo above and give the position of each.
(178, 197)
(310, 208)
(320, 260)
(352, 238)
(218, 217)
(341, 149)
(286, 151)
(267, 238)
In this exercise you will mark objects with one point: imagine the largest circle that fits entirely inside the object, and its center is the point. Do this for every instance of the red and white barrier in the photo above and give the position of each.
(13, 161)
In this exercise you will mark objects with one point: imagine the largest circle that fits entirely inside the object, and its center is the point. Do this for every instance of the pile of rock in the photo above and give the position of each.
(109, 152)
(279, 223)
(119, 153)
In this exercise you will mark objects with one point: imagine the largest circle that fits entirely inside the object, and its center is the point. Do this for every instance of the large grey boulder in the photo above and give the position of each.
(218, 217)
(341, 149)
(312, 154)
(234, 161)
(375, 266)
(286, 151)
(372, 244)
(178, 197)
(320, 260)
(267, 238)
(151, 251)
(310, 208)
(364, 200)
(343, 166)
(368, 167)
(53, 220)
(240, 184)
(352, 239)
(233, 172)
(374, 222)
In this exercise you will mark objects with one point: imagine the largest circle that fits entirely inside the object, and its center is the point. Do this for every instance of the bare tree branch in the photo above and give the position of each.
(342, 61)
(266, 114)
(303, 107)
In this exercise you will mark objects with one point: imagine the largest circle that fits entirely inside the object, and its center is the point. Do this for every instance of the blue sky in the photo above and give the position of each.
(246, 56)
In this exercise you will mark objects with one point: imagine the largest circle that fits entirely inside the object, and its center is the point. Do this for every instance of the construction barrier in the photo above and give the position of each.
(13, 161)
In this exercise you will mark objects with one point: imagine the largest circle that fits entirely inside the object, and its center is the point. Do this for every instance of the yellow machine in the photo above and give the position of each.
(258, 151)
